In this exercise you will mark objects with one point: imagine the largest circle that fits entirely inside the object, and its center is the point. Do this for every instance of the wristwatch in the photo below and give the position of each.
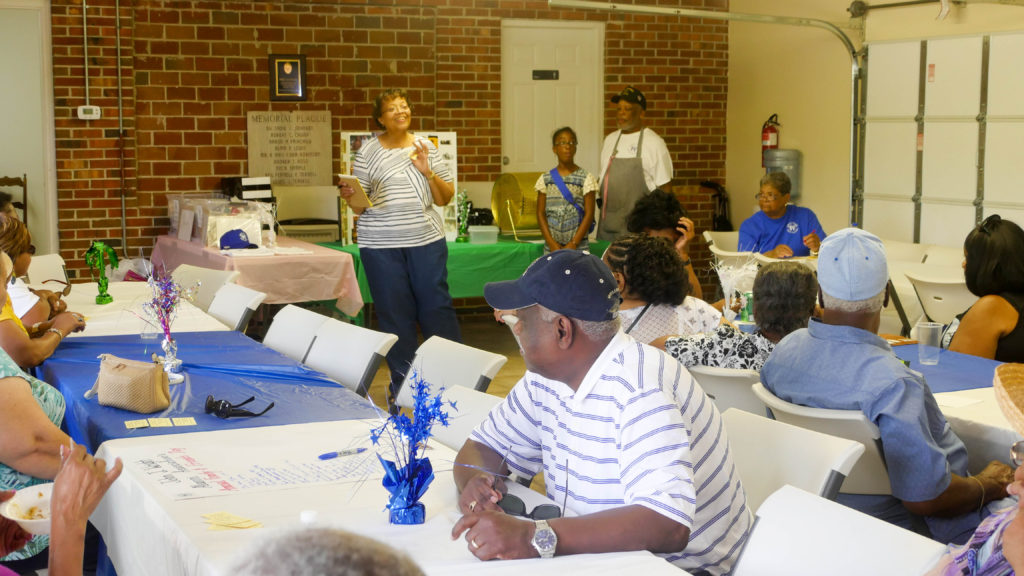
(544, 539)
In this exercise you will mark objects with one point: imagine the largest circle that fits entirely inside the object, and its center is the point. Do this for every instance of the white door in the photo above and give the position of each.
(552, 75)
(26, 112)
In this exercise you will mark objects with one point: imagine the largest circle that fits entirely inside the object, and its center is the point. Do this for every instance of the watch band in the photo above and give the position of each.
(544, 539)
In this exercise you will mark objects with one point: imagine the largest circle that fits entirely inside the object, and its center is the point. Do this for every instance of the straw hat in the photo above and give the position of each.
(1009, 386)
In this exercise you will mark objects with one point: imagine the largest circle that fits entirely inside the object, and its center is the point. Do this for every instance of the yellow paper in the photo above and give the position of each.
(187, 421)
(132, 424)
(160, 422)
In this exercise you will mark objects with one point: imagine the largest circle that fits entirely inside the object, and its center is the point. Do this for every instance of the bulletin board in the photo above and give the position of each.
(944, 135)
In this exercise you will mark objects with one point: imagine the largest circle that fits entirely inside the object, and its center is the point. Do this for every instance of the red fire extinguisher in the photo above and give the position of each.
(769, 135)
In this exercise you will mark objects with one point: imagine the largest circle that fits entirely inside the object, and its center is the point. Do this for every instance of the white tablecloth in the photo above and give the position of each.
(148, 532)
(124, 315)
(976, 418)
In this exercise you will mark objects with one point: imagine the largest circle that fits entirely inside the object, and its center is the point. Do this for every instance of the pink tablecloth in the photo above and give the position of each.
(323, 275)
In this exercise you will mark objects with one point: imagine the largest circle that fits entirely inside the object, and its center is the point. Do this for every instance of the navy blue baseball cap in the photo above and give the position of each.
(568, 282)
(234, 239)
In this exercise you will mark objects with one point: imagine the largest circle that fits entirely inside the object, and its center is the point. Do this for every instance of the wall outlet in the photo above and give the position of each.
(88, 112)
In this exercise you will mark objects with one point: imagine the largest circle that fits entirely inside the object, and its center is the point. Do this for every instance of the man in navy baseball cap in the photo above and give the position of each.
(616, 413)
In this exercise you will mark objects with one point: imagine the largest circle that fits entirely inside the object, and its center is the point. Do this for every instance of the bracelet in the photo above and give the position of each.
(982, 486)
(687, 262)
(431, 175)
(57, 332)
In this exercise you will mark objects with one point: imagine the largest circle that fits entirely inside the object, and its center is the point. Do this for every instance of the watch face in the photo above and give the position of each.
(545, 539)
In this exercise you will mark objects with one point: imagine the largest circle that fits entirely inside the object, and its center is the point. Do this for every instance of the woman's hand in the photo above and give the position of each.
(686, 231)
(12, 537)
(421, 157)
(68, 322)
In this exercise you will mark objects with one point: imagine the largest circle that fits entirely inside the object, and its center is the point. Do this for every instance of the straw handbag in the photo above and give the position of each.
(131, 384)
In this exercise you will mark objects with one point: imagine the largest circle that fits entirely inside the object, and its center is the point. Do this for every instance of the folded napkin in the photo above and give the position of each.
(291, 250)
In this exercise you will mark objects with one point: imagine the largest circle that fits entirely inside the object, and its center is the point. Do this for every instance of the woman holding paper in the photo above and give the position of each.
(565, 197)
(401, 236)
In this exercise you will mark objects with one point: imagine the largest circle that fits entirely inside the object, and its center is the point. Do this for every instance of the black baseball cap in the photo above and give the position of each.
(630, 94)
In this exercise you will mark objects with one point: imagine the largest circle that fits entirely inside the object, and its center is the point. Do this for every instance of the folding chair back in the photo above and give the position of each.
(348, 353)
(209, 280)
(292, 331)
(729, 387)
(234, 305)
(445, 363)
(870, 475)
(47, 267)
(943, 293)
(471, 408)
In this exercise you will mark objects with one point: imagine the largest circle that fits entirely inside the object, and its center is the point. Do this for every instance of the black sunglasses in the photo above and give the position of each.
(225, 409)
(514, 506)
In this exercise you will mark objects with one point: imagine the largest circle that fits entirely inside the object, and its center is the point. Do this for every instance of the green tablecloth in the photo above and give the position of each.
(470, 266)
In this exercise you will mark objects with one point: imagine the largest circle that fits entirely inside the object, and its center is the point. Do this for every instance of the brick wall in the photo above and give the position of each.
(192, 70)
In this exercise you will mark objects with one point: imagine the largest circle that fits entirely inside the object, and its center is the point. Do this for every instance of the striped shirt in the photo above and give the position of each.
(637, 431)
(402, 215)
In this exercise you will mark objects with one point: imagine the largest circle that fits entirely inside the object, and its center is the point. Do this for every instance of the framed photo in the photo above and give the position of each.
(287, 77)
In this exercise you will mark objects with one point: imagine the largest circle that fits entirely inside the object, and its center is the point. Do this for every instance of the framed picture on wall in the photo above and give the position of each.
(287, 77)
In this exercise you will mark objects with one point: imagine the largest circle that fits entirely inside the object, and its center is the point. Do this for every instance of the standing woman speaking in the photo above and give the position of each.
(401, 238)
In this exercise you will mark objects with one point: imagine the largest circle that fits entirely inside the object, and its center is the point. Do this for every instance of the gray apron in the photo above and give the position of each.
(622, 185)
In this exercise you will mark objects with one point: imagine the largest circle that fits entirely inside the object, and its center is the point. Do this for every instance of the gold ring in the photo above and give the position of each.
(473, 542)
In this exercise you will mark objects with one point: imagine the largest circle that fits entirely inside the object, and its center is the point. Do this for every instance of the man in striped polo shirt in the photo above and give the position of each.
(627, 441)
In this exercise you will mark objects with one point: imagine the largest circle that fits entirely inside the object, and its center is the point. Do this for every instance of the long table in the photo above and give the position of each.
(150, 529)
(125, 314)
(470, 266)
(321, 274)
(227, 365)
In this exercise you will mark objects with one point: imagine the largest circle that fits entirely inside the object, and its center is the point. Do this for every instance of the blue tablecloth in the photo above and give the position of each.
(955, 371)
(228, 365)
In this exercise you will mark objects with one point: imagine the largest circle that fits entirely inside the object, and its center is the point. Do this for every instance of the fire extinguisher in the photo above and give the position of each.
(769, 135)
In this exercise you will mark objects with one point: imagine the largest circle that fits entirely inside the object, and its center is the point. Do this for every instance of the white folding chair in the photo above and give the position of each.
(445, 363)
(870, 475)
(348, 353)
(47, 267)
(799, 534)
(943, 293)
(471, 408)
(234, 305)
(731, 258)
(209, 280)
(729, 387)
(727, 241)
(292, 331)
(770, 454)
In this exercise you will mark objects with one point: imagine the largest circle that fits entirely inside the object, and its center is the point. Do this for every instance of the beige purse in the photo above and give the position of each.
(131, 384)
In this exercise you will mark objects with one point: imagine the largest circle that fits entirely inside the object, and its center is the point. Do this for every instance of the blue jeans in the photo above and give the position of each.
(409, 287)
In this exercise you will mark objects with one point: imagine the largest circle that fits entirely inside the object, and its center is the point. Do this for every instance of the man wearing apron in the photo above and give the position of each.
(634, 161)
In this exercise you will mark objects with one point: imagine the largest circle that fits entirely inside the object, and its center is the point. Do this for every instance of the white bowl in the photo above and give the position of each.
(29, 501)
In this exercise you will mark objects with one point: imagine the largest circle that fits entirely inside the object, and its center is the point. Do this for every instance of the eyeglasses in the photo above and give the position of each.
(1017, 453)
(67, 286)
(565, 143)
(768, 197)
(32, 249)
(225, 409)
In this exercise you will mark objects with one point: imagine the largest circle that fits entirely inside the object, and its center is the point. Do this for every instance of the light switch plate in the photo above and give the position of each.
(88, 112)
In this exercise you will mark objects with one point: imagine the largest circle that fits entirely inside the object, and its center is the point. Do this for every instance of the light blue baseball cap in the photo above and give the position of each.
(851, 265)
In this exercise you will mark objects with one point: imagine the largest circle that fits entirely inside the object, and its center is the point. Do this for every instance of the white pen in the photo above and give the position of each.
(349, 452)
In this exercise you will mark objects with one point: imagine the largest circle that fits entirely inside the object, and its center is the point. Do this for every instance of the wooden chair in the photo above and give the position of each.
(15, 182)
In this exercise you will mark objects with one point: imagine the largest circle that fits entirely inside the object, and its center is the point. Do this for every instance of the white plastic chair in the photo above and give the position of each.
(731, 258)
(234, 305)
(47, 267)
(471, 408)
(442, 362)
(943, 293)
(348, 353)
(870, 475)
(770, 454)
(729, 387)
(292, 331)
(799, 534)
(726, 241)
(209, 280)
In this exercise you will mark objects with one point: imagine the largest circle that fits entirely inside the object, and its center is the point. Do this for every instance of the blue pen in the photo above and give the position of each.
(349, 452)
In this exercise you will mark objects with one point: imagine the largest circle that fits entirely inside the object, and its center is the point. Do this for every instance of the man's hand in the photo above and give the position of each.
(12, 537)
(780, 251)
(812, 241)
(687, 231)
(481, 493)
(996, 477)
(494, 534)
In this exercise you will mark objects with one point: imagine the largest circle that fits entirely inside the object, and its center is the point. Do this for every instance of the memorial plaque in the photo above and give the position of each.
(293, 148)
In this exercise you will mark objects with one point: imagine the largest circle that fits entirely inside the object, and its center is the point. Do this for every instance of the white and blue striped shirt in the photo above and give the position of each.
(402, 215)
(639, 430)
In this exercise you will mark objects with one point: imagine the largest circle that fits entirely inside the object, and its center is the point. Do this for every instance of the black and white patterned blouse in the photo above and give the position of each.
(726, 347)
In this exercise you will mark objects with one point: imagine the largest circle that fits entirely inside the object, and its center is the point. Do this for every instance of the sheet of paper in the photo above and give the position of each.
(954, 401)
(186, 421)
(133, 424)
(160, 422)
